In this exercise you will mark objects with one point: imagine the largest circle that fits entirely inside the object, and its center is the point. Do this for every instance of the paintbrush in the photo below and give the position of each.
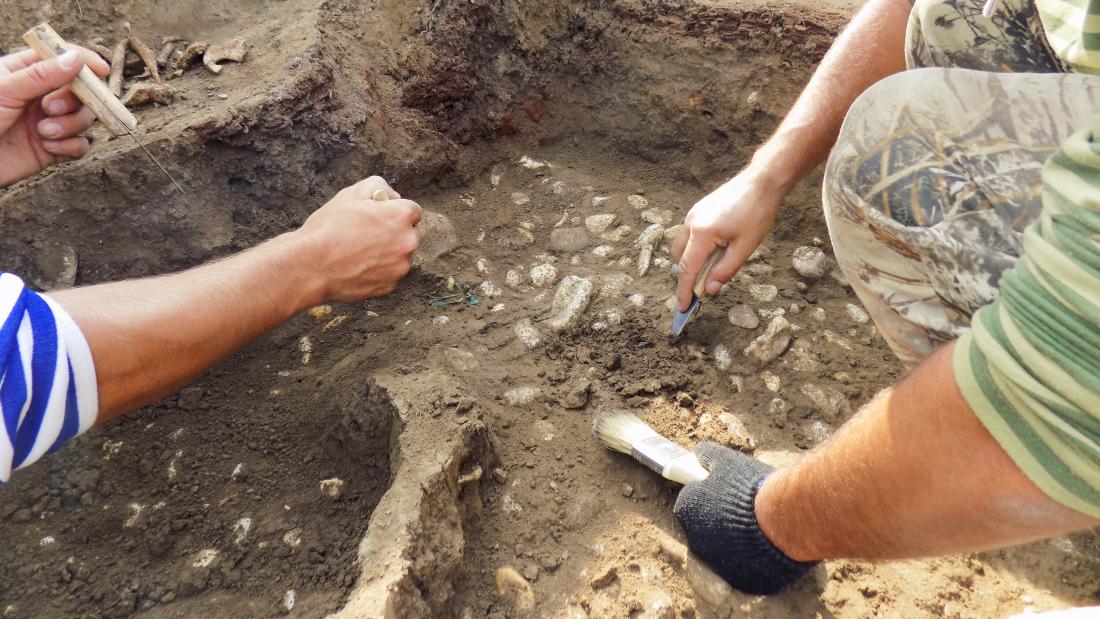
(622, 431)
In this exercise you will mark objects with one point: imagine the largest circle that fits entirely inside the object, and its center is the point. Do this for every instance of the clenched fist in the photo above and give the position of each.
(361, 247)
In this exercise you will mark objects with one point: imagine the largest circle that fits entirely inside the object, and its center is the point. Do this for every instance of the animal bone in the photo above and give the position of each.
(118, 64)
(168, 45)
(233, 49)
(146, 93)
(148, 58)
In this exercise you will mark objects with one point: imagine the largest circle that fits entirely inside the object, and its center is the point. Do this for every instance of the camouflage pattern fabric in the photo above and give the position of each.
(937, 170)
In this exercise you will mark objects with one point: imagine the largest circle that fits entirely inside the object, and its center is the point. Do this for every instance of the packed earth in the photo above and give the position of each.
(429, 454)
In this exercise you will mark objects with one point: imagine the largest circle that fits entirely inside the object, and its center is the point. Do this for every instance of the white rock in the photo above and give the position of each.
(820, 431)
(618, 234)
(603, 251)
(810, 262)
(569, 240)
(658, 216)
(288, 600)
(439, 321)
(461, 360)
(638, 202)
(722, 357)
(614, 285)
(818, 315)
(741, 315)
(519, 198)
(827, 401)
(767, 313)
(662, 263)
(570, 300)
(334, 487)
(857, 314)
(778, 406)
(499, 307)
(527, 334)
(771, 381)
(513, 279)
(558, 188)
(241, 529)
(543, 275)
(637, 300)
(772, 343)
(737, 383)
(598, 201)
(205, 557)
(531, 164)
(598, 224)
(764, 293)
(521, 395)
(489, 289)
(483, 267)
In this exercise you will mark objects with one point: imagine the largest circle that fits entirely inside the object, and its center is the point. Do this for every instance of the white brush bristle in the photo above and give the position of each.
(621, 430)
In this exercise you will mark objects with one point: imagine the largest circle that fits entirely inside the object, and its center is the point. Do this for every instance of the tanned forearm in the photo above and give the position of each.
(870, 48)
(913, 474)
(151, 336)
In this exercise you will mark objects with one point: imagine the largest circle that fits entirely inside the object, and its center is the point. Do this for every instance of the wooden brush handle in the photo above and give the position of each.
(701, 280)
(91, 91)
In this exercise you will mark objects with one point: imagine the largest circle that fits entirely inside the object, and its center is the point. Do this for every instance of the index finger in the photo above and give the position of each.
(695, 254)
(22, 59)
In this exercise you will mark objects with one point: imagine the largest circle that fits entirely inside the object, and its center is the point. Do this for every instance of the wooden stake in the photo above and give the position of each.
(91, 91)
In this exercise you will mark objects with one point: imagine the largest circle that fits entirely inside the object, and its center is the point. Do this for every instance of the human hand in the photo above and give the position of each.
(737, 216)
(718, 516)
(361, 246)
(40, 118)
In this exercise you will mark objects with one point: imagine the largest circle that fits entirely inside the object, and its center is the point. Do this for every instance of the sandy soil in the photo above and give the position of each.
(463, 446)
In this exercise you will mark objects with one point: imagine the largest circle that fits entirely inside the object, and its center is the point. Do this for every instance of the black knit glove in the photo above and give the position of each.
(719, 518)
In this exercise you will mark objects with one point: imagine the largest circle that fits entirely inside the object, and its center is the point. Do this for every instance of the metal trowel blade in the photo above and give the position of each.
(680, 319)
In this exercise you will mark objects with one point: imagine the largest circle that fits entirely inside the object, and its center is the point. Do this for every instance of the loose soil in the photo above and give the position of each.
(509, 119)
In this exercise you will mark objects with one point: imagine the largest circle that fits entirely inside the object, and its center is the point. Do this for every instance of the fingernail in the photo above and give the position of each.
(68, 59)
(56, 107)
(50, 128)
(51, 145)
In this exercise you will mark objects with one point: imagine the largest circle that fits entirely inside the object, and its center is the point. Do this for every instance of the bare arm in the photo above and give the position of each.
(740, 213)
(151, 336)
(913, 474)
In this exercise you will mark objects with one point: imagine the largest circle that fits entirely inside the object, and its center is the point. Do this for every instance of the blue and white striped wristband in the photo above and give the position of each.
(48, 392)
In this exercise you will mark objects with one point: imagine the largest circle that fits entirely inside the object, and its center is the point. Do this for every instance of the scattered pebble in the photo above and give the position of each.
(637, 300)
(637, 201)
(772, 343)
(738, 432)
(771, 381)
(527, 334)
(778, 407)
(614, 285)
(512, 586)
(617, 235)
(743, 316)
(46, 541)
(519, 198)
(499, 307)
(569, 240)
(810, 262)
(333, 488)
(513, 279)
(531, 164)
(660, 216)
(483, 267)
(489, 289)
(722, 357)
(521, 395)
(570, 301)
(320, 311)
(288, 600)
(241, 529)
(598, 201)
(598, 224)
(305, 346)
(764, 293)
(440, 321)
(603, 251)
(857, 314)
(820, 431)
(543, 275)
(827, 401)
(205, 557)
(737, 383)
(335, 322)
(818, 314)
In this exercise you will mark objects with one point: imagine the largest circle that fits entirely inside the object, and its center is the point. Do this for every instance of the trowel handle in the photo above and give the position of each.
(701, 281)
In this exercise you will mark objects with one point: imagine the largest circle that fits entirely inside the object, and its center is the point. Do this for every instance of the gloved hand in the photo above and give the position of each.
(719, 518)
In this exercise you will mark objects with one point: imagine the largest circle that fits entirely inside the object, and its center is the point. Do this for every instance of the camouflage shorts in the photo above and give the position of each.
(937, 169)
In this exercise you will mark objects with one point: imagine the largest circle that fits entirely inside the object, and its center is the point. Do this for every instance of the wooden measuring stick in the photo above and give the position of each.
(86, 86)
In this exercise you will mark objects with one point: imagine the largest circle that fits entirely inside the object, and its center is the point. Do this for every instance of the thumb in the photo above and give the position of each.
(41, 78)
(727, 266)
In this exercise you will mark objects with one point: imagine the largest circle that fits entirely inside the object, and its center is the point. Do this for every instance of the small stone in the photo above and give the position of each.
(759, 269)
(722, 357)
(437, 237)
(569, 240)
(483, 267)
(499, 307)
(512, 586)
(827, 401)
(288, 600)
(738, 433)
(519, 198)
(743, 316)
(577, 396)
(489, 289)
(617, 235)
(543, 275)
(628, 490)
(531, 164)
(461, 360)
(570, 301)
(527, 334)
(637, 300)
(795, 309)
(499, 475)
(614, 285)
(607, 318)
(531, 572)
(598, 224)
(646, 242)
(638, 202)
(810, 262)
(440, 321)
(598, 201)
(820, 431)
(513, 279)
(658, 216)
(818, 242)
(778, 407)
(521, 395)
(818, 315)
(772, 343)
(764, 293)
(320, 311)
(771, 381)
(737, 383)
(603, 251)
(333, 488)
(857, 314)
